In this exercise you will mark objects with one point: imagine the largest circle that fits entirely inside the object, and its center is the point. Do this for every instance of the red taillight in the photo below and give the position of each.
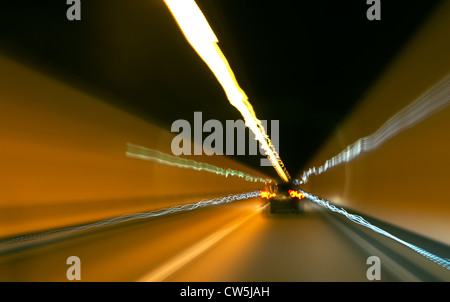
(267, 194)
(297, 194)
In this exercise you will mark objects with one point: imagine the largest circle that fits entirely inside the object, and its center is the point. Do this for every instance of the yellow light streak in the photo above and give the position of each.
(199, 34)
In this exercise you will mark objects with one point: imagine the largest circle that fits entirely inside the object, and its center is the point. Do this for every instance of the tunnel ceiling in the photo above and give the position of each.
(304, 63)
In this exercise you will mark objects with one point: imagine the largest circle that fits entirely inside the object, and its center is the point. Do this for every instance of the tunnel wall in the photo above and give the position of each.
(63, 158)
(405, 180)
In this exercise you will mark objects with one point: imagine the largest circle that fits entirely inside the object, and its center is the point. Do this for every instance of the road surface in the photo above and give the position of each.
(238, 241)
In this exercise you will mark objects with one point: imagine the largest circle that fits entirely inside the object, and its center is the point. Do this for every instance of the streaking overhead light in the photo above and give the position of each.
(199, 34)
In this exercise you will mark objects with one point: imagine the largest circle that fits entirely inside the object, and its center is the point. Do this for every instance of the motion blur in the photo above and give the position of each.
(89, 173)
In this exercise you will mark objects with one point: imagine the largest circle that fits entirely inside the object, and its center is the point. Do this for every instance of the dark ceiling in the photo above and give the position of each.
(304, 63)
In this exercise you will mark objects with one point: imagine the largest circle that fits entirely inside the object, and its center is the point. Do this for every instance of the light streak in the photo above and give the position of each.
(444, 262)
(199, 34)
(267, 194)
(128, 217)
(140, 152)
(297, 194)
(431, 102)
(180, 260)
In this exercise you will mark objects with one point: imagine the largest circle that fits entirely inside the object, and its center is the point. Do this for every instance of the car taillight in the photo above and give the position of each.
(267, 194)
(297, 194)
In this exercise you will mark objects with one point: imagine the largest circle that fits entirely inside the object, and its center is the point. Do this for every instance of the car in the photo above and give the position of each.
(285, 199)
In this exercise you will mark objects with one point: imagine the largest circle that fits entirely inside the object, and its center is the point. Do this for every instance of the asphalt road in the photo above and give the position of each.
(239, 241)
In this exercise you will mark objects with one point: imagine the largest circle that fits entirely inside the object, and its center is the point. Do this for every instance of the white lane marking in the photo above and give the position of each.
(171, 266)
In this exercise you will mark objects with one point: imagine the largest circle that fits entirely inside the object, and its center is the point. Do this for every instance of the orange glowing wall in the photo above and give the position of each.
(63, 162)
(405, 181)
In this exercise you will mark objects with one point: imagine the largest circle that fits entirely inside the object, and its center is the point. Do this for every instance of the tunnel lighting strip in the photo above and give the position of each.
(199, 34)
(431, 102)
(444, 262)
(139, 152)
(131, 217)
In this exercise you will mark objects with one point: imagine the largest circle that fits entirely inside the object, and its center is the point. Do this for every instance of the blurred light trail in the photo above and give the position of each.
(297, 194)
(173, 265)
(431, 102)
(129, 217)
(267, 194)
(139, 152)
(199, 34)
(444, 262)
